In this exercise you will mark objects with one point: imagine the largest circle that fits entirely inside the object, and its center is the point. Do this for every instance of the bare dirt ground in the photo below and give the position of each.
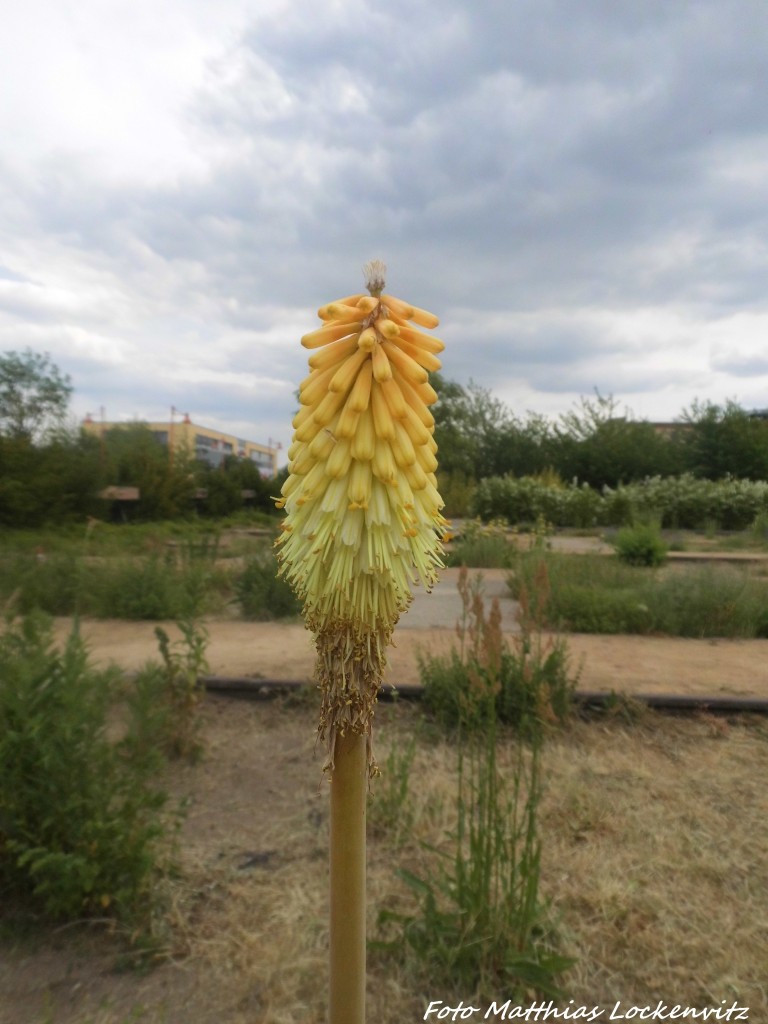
(654, 851)
(624, 664)
(628, 664)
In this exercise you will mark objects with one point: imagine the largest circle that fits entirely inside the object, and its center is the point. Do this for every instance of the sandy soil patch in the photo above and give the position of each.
(621, 663)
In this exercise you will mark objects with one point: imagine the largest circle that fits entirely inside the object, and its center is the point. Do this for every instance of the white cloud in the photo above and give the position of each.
(582, 199)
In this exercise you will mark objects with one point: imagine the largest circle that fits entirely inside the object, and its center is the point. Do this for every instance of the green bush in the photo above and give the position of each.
(481, 547)
(51, 584)
(530, 680)
(262, 594)
(456, 489)
(640, 545)
(709, 601)
(530, 687)
(143, 589)
(181, 692)
(681, 502)
(585, 609)
(80, 820)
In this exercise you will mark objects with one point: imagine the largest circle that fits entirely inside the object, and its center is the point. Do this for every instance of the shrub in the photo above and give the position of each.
(456, 489)
(143, 589)
(682, 502)
(80, 821)
(481, 547)
(262, 594)
(532, 684)
(640, 545)
(50, 584)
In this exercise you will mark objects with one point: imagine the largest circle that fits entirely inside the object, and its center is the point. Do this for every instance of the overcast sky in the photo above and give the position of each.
(577, 188)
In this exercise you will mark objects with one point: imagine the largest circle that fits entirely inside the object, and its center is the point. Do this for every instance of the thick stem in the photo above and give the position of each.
(349, 785)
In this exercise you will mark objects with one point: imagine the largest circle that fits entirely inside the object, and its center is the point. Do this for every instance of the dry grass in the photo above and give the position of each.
(655, 832)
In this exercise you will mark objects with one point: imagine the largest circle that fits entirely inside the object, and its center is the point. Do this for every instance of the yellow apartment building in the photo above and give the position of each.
(202, 443)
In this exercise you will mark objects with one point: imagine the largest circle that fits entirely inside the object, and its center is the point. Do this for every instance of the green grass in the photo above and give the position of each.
(489, 552)
(165, 578)
(115, 539)
(156, 587)
(595, 594)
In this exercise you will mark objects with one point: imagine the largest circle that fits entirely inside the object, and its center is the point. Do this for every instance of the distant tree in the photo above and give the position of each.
(525, 446)
(34, 394)
(235, 484)
(470, 428)
(599, 446)
(720, 441)
(51, 482)
(134, 457)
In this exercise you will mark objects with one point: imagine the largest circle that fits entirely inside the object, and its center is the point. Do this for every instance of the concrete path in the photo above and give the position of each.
(442, 609)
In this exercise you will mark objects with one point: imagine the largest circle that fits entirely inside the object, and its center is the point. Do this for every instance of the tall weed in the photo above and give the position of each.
(480, 925)
(532, 681)
(390, 811)
(184, 662)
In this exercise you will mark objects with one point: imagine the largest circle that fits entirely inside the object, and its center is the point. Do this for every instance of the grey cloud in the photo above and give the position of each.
(739, 364)
(499, 157)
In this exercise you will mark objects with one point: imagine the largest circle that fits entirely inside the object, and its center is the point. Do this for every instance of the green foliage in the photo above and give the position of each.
(640, 545)
(685, 502)
(706, 601)
(480, 925)
(457, 490)
(759, 527)
(526, 500)
(80, 822)
(531, 680)
(235, 485)
(481, 546)
(596, 594)
(724, 441)
(681, 502)
(46, 584)
(48, 482)
(34, 394)
(262, 594)
(595, 443)
(184, 662)
(132, 456)
(169, 586)
(149, 588)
